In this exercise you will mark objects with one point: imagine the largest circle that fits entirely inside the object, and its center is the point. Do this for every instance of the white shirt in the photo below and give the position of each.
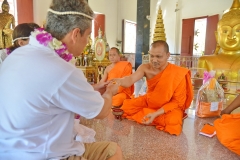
(39, 94)
(3, 55)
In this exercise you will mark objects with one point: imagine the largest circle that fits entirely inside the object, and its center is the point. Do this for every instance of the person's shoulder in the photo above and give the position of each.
(109, 67)
(11, 15)
(177, 68)
(123, 62)
(145, 66)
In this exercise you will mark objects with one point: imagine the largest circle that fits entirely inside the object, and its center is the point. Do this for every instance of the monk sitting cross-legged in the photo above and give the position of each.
(118, 69)
(169, 92)
(227, 127)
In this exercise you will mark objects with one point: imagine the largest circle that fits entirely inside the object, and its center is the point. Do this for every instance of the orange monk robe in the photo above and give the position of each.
(121, 69)
(228, 131)
(171, 90)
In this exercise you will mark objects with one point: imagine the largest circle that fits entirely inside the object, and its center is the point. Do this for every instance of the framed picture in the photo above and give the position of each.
(129, 36)
(100, 49)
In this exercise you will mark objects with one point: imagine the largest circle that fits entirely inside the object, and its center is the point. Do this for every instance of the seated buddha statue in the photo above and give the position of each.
(227, 53)
(7, 24)
(88, 47)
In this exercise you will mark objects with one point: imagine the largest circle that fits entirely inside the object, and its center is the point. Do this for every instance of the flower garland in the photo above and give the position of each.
(47, 40)
(8, 51)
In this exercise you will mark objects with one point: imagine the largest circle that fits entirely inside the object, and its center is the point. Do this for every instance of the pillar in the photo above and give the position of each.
(143, 30)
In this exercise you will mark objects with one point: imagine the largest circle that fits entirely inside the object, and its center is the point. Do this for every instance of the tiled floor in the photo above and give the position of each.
(139, 142)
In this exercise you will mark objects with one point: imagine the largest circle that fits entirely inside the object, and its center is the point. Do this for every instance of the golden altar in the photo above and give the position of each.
(94, 59)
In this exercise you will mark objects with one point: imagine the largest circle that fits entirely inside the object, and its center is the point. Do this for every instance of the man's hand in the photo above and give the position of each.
(148, 119)
(113, 87)
(100, 87)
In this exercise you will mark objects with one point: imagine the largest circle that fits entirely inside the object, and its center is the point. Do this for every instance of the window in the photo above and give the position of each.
(129, 36)
(199, 36)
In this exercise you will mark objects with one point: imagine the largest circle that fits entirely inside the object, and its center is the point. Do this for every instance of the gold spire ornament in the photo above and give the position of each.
(159, 31)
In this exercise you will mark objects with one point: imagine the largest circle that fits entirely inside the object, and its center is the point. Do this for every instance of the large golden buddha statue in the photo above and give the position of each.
(7, 24)
(227, 53)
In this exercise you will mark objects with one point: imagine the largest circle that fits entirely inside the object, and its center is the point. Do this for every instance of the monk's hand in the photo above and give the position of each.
(113, 87)
(148, 119)
(116, 81)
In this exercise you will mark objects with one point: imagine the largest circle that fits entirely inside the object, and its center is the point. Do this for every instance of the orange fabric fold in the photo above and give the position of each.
(228, 132)
(208, 129)
(121, 69)
(170, 89)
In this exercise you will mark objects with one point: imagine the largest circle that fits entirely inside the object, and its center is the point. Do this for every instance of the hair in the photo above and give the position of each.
(60, 25)
(161, 42)
(5, 2)
(22, 30)
(229, 16)
(116, 50)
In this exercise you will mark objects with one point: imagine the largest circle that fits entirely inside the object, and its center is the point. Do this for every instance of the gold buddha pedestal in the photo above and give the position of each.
(197, 77)
(89, 72)
(227, 53)
(100, 68)
(7, 24)
(224, 78)
(84, 62)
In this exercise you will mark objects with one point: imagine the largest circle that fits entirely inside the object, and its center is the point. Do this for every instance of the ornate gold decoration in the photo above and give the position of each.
(88, 47)
(159, 31)
(7, 24)
(93, 63)
(100, 47)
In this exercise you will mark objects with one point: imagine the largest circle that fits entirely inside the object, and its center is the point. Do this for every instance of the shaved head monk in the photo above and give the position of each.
(169, 92)
(118, 69)
(227, 127)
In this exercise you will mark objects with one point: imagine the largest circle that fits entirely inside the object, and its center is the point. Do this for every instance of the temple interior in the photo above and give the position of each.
(193, 31)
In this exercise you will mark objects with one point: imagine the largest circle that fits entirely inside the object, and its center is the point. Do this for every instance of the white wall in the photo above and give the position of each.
(127, 9)
(109, 8)
(115, 11)
(40, 10)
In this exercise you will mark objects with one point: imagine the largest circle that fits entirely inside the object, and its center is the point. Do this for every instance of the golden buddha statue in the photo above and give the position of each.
(227, 53)
(7, 24)
(88, 47)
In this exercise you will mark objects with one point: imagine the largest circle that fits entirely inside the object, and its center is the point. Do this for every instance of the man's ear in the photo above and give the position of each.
(75, 34)
(168, 54)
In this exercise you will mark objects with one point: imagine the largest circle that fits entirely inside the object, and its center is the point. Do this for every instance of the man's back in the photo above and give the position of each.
(37, 122)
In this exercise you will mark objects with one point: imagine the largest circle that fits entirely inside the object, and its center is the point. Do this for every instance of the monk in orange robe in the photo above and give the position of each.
(118, 69)
(227, 127)
(169, 92)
